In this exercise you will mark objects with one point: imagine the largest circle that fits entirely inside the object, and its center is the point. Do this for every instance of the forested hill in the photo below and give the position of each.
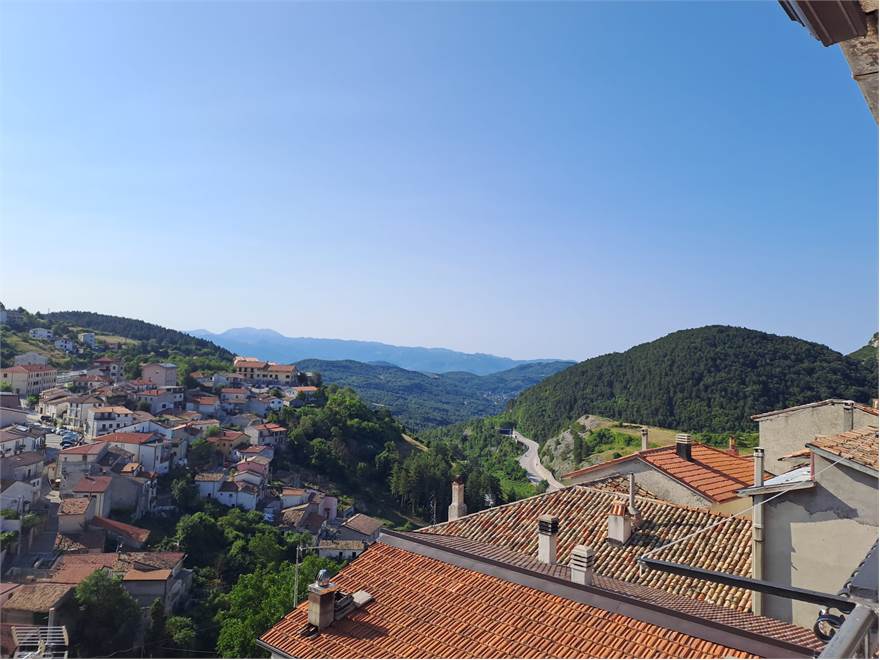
(426, 400)
(706, 379)
(153, 335)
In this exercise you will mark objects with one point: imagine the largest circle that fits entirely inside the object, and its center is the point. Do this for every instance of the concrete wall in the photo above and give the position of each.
(789, 432)
(815, 538)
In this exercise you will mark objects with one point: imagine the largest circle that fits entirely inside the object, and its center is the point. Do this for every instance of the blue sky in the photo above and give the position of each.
(531, 180)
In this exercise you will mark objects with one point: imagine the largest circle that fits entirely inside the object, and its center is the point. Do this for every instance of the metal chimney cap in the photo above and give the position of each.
(323, 579)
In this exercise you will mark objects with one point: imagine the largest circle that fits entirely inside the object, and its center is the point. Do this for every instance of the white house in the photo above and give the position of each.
(65, 344)
(88, 338)
(40, 333)
(101, 420)
(148, 449)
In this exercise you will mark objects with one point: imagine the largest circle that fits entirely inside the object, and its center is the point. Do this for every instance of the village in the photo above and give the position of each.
(83, 455)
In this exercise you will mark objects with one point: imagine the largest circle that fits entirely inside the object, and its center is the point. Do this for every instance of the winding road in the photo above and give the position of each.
(531, 463)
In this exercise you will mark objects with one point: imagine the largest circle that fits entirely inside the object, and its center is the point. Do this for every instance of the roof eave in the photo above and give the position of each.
(831, 456)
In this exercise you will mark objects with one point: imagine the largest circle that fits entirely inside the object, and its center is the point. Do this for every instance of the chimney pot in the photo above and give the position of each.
(619, 523)
(322, 601)
(548, 531)
(759, 466)
(848, 422)
(731, 445)
(582, 564)
(644, 433)
(633, 509)
(683, 444)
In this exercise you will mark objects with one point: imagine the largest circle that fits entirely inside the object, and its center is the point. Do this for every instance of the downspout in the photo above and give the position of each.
(758, 531)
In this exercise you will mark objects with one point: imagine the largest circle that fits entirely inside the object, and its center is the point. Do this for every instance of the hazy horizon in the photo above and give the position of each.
(531, 181)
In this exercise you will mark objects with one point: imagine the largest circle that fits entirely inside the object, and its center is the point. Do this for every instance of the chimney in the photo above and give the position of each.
(619, 523)
(322, 603)
(683, 444)
(848, 416)
(548, 531)
(759, 466)
(633, 509)
(458, 508)
(581, 564)
(731, 446)
(644, 433)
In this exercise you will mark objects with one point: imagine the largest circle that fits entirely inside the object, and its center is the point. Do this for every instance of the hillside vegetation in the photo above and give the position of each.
(706, 379)
(422, 400)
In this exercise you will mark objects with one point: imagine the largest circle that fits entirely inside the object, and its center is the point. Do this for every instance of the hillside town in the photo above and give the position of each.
(682, 549)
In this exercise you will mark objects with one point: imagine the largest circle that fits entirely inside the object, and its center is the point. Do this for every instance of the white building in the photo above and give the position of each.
(88, 338)
(40, 333)
(65, 344)
(101, 420)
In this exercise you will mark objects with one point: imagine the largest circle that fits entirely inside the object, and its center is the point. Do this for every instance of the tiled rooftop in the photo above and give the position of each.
(858, 445)
(714, 473)
(38, 598)
(72, 506)
(426, 608)
(583, 519)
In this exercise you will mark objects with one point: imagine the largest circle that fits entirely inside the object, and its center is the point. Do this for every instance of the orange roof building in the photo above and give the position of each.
(685, 473)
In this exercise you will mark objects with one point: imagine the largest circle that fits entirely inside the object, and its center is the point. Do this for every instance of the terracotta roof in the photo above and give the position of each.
(73, 569)
(583, 518)
(91, 539)
(424, 607)
(306, 388)
(619, 484)
(713, 473)
(89, 449)
(209, 476)
(363, 524)
(139, 576)
(249, 364)
(858, 445)
(129, 438)
(341, 545)
(72, 506)
(292, 516)
(252, 466)
(90, 484)
(20, 460)
(283, 368)
(119, 410)
(38, 598)
(137, 535)
(33, 368)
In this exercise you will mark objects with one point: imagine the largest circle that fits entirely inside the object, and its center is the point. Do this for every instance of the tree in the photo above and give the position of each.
(181, 633)
(5, 387)
(184, 493)
(201, 538)
(201, 454)
(110, 616)
(259, 600)
(156, 635)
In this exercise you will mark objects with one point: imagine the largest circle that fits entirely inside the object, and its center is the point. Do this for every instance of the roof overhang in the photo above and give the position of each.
(828, 21)
(834, 458)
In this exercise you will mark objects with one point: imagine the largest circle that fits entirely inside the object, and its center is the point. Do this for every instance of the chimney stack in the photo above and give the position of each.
(633, 509)
(644, 433)
(619, 523)
(458, 508)
(581, 564)
(548, 531)
(683, 444)
(731, 446)
(848, 416)
(322, 603)
(759, 466)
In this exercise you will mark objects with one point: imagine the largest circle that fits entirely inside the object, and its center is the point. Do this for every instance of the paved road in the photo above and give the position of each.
(531, 463)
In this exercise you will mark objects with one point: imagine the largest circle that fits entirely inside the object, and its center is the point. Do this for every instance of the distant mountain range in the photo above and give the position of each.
(272, 345)
(422, 400)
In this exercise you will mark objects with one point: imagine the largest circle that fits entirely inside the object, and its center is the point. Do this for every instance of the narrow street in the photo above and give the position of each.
(531, 463)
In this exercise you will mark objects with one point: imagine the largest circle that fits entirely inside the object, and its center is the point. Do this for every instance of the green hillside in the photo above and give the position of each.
(868, 352)
(427, 400)
(130, 340)
(705, 379)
